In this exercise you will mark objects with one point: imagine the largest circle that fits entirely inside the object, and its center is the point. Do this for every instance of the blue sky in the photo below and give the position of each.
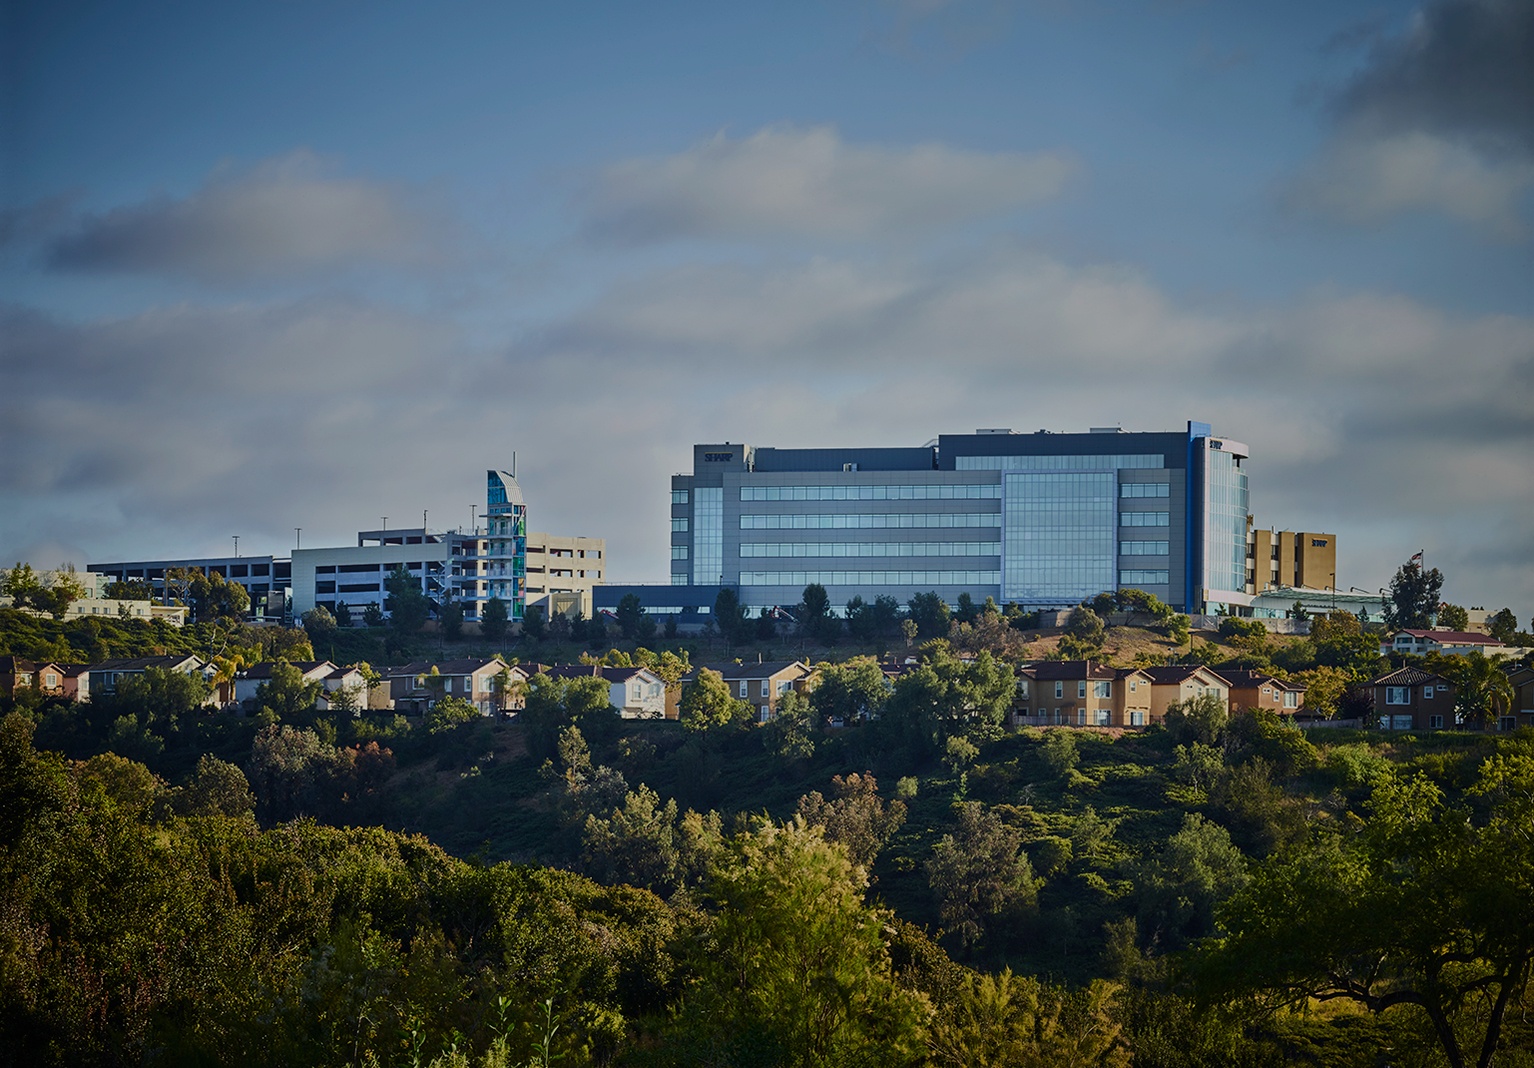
(268, 266)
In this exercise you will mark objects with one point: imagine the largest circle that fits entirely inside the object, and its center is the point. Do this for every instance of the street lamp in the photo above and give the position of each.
(236, 545)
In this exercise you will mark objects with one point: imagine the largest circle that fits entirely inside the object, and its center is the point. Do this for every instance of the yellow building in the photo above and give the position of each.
(1290, 558)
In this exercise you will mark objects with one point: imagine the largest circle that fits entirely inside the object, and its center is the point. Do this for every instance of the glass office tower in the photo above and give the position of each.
(1042, 520)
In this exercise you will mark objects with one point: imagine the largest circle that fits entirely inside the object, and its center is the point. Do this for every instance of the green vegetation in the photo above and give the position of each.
(917, 886)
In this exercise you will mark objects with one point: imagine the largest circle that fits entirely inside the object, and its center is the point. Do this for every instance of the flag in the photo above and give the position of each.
(1416, 558)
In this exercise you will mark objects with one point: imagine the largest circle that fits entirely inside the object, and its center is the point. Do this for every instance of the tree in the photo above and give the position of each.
(319, 624)
(451, 619)
(979, 874)
(1413, 598)
(372, 615)
(815, 619)
(1483, 691)
(729, 616)
(287, 692)
(766, 625)
(209, 596)
(630, 615)
(789, 734)
(130, 590)
(966, 610)
(1012, 1020)
(944, 696)
(798, 974)
(1086, 626)
(1181, 882)
(1452, 617)
(343, 614)
(1428, 904)
(1200, 719)
(1060, 752)
(706, 702)
(408, 607)
(853, 691)
(217, 789)
(27, 590)
(450, 712)
(876, 622)
(930, 615)
(493, 620)
(1502, 625)
(856, 816)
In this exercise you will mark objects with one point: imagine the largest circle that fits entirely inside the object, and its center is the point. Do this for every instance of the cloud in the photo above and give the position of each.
(1463, 70)
(286, 215)
(1440, 119)
(1369, 414)
(1366, 180)
(788, 181)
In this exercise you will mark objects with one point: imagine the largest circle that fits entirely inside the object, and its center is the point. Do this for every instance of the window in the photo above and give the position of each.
(1102, 689)
(1145, 519)
(1435, 722)
(1427, 693)
(1081, 687)
(1104, 717)
(1145, 489)
(679, 525)
(679, 552)
(1291, 699)
(766, 687)
(1134, 684)
(1081, 717)
(1145, 578)
(784, 686)
(1059, 690)
(1398, 695)
(679, 496)
(1137, 719)
(51, 680)
(743, 687)
(842, 492)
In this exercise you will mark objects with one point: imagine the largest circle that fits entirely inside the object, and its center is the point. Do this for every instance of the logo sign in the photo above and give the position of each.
(718, 457)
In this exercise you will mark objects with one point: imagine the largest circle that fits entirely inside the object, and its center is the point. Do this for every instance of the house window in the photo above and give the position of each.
(1427, 693)
(1104, 717)
(763, 714)
(1081, 687)
(1398, 695)
(784, 686)
(1137, 719)
(1102, 689)
(1291, 699)
(1435, 722)
(1081, 717)
(1059, 690)
(1134, 685)
(743, 688)
(52, 680)
(766, 687)
(1507, 723)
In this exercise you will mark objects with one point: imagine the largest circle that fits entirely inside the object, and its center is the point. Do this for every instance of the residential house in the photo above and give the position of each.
(18, 674)
(636, 692)
(344, 678)
(1257, 689)
(103, 677)
(414, 688)
(77, 681)
(1523, 696)
(1081, 693)
(1451, 642)
(1410, 699)
(249, 681)
(1181, 682)
(761, 684)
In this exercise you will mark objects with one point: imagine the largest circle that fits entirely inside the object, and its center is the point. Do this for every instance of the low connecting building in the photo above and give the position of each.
(497, 559)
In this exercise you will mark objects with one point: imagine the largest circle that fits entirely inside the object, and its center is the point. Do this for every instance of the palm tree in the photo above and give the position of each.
(1485, 691)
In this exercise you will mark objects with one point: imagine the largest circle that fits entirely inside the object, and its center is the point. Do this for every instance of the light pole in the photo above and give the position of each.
(1334, 591)
(236, 545)
(298, 537)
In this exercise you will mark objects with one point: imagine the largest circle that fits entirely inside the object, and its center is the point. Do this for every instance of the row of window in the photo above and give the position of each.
(869, 522)
(1101, 717)
(1145, 578)
(1145, 519)
(1144, 548)
(947, 492)
(1143, 461)
(1401, 695)
(1145, 489)
(870, 578)
(872, 548)
(678, 496)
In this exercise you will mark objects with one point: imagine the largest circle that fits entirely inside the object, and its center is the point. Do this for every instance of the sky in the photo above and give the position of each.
(306, 265)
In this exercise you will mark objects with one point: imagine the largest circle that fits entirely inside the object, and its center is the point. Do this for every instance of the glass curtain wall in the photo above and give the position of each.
(1058, 536)
(707, 535)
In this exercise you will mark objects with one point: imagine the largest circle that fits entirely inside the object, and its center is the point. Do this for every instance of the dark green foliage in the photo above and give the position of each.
(493, 621)
(730, 617)
(930, 615)
(1413, 598)
(1199, 719)
(406, 604)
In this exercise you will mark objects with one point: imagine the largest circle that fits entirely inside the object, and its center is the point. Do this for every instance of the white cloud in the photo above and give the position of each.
(787, 181)
(287, 215)
(1363, 179)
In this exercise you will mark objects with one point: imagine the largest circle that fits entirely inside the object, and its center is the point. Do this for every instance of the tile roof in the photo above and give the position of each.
(1452, 637)
(1407, 676)
(1050, 670)
(1177, 672)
